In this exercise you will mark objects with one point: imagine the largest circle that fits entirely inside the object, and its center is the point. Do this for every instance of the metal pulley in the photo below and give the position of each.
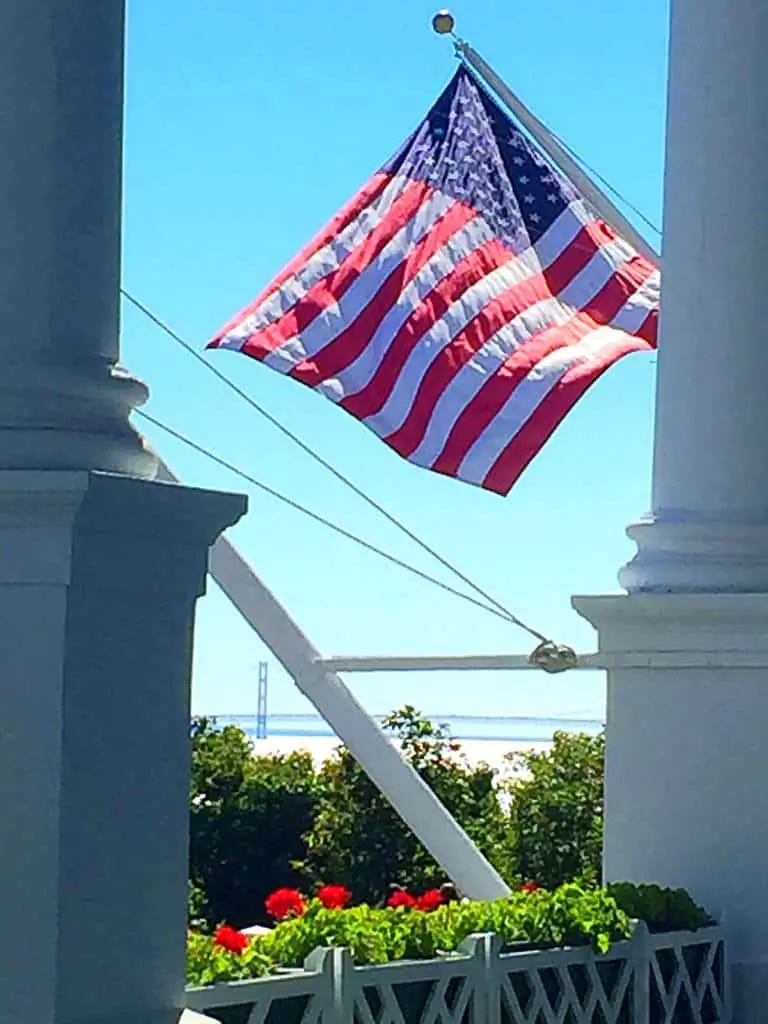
(553, 658)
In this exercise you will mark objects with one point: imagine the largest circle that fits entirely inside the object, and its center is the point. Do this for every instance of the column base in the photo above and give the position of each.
(682, 553)
(686, 786)
(72, 417)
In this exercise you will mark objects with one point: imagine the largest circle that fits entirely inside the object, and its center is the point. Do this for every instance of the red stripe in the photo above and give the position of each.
(486, 404)
(530, 439)
(328, 291)
(468, 271)
(348, 345)
(367, 195)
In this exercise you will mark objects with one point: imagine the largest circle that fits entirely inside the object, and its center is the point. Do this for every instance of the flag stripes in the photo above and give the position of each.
(420, 311)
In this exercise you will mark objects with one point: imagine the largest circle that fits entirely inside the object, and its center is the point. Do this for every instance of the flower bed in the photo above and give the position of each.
(571, 956)
(411, 927)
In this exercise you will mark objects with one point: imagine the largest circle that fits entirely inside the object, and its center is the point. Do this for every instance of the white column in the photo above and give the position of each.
(709, 526)
(63, 400)
(687, 648)
(99, 572)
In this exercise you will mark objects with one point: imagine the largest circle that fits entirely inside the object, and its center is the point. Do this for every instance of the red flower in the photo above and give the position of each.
(401, 898)
(285, 903)
(430, 900)
(334, 897)
(529, 887)
(231, 939)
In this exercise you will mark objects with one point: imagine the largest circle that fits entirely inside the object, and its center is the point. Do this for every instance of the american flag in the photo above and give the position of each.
(461, 302)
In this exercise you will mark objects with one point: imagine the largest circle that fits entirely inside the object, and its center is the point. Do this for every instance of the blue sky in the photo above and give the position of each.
(247, 126)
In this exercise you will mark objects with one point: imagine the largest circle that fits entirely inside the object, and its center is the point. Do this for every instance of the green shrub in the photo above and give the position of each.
(663, 910)
(358, 840)
(248, 817)
(556, 810)
(208, 963)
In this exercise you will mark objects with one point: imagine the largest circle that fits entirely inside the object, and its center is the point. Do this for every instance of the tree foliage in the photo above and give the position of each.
(358, 840)
(248, 816)
(556, 810)
(264, 823)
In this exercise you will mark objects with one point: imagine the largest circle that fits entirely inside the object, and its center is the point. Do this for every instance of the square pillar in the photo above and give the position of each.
(99, 576)
(686, 785)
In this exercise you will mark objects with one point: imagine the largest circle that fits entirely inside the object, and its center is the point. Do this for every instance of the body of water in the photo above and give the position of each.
(515, 730)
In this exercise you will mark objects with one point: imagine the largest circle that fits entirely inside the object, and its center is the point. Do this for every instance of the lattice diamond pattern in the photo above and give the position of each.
(445, 1000)
(551, 995)
(687, 984)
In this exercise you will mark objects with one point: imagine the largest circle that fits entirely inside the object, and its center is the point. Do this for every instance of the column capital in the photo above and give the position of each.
(47, 517)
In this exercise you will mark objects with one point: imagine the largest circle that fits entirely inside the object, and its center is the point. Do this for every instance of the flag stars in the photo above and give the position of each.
(482, 160)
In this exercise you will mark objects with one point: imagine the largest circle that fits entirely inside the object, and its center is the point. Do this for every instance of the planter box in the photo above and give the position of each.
(674, 978)
(671, 978)
(298, 997)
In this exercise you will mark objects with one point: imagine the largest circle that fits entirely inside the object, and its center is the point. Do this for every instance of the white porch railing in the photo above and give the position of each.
(674, 978)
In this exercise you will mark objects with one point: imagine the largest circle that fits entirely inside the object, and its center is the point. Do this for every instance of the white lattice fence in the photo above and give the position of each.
(450, 990)
(562, 986)
(687, 980)
(677, 978)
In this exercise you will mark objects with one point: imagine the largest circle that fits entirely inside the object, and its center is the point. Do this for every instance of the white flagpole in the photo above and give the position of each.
(443, 24)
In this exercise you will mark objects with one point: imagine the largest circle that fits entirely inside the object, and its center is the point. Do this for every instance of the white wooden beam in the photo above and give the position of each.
(437, 663)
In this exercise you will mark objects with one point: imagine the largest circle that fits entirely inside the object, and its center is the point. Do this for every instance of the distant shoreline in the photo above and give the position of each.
(464, 728)
(285, 735)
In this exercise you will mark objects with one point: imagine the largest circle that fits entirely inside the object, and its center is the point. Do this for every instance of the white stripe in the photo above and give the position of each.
(635, 310)
(442, 333)
(359, 373)
(319, 265)
(527, 397)
(338, 316)
(480, 368)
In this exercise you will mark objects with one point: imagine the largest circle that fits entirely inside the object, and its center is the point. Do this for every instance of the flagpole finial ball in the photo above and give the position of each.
(443, 23)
